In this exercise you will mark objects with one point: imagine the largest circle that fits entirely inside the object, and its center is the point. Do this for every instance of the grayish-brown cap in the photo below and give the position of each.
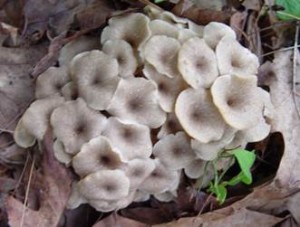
(96, 77)
(133, 28)
(257, 133)
(97, 154)
(136, 101)
(160, 27)
(74, 124)
(171, 126)
(123, 53)
(238, 99)
(161, 179)
(209, 151)
(35, 121)
(168, 88)
(197, 29)
(195, 169)
(184, 34)
(234, 59)
(51, 81)
(60, 153)
(198, 115)
(215, 31)
(167, 196)
(161, 51)
(141, 196)
(174, 151)
(137, 170)
(70, 91)
(105, 185)
(79, 45)
(129, 140)
(75, 199)
(197, 63)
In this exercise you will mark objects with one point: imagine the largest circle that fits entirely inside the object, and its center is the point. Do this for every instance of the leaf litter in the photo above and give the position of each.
(275, 201)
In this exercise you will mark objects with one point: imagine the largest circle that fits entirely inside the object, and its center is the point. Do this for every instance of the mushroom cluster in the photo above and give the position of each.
(161, 97)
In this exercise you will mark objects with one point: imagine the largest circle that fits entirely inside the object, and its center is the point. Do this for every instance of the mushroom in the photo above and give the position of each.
(141, 196)
(70, 91)
(197, 63)
(198, 115)
(215, 31)
(60, 154)
(129, 140)
(137, 170)
(79, 45)
(238, 100)
(235, 59)
(74, 124)
(209, 151)
(133, 28)
(51, 81)
(160, 180)
(97, 154)
(199, 169)
(105, 185)
(174, 151)
(257, 133)
(135, 101)
(160, 27)
(75, 199)
(96, 76)
(171, 126)
(35, 121)
(161, 52)
(168, 88)
(167, 196)
(123, 52)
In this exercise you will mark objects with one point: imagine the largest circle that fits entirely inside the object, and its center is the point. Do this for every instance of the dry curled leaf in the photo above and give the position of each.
(117, 220)
(53, 195)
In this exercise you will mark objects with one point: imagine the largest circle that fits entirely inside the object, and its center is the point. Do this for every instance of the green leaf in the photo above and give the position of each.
(245, 160)
(158, 1)
(221, 193)
(291, 9)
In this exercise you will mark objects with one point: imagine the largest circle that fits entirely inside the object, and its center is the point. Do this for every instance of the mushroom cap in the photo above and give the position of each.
(129, 140)
(133, 28)
(135, 100)
(22, 136)
(70, 91)
(197, 63)
(51, 81)
(35, 121)
(160, 180)
(165, 196)
(105, 185)
(79, 45)
(97, 154)
(60, 153)
(184, 34)
(257, 133)
(123, 53)
(174, 151)
(137, 170)
(96, 76)
(160, 27)
(75, 199)
(215, 31)
(198, 115)
(74, 124)
(234, 59)
(161, 52)
(168, 88)
(195, 169)
(141, 196)
(238, 99)
(209, 151)
(171, 126)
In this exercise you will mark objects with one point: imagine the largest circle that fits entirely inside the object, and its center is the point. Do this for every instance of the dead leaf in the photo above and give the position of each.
(53, 196)
(238, 218)
(16, 86)
(119, 221)
(199, 15)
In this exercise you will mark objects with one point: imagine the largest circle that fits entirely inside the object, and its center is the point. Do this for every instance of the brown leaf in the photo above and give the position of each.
(117, 220)
(53, 196)
(16, 86)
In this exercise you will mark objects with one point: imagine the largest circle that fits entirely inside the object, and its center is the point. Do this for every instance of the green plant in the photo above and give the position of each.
(291, 9)
(245, 160)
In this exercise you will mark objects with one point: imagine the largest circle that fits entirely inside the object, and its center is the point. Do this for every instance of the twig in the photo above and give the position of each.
(27, 192)
(295, 69)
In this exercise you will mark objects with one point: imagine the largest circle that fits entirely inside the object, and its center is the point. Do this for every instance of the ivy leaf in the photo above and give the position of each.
(245, 160)
(291, 9)
(221, 193)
